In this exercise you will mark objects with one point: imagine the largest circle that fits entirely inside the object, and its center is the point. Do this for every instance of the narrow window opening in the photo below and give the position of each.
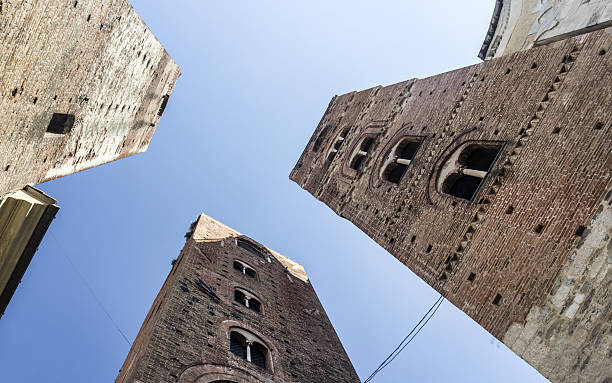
(602, 52)
(428, 249)
(413, 239)
(61, 123)
(320, 139)
(598, 126)
(539, 229)
(534, 65)
(238, 345)
(243, 346)
(497, 300)
(249, 247)
(163, 105)
(580, 231)
(510, 209)
(244, 269)
(471, 277)
(337, 144)
(399, 159)
(258, 355)
(556, 131)
(361, 153)
(467, 170)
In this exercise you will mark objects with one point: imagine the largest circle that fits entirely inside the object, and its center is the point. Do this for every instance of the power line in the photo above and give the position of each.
(406, 341)
(91, 291)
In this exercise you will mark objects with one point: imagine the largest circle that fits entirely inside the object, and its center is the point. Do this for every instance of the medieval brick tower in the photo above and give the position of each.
(234, 311)
(493, 183)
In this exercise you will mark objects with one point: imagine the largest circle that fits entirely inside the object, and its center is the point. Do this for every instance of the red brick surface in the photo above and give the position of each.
(552, 178)
(185, 335)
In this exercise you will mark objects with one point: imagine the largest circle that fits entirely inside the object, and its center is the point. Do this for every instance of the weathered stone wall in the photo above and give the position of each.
(521, 24)
(96, 60)
(499, 254)
(569, 337)
(185, 336)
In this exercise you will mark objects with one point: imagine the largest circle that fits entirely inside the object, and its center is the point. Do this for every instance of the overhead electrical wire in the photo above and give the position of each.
(406, 341)
(91, 291)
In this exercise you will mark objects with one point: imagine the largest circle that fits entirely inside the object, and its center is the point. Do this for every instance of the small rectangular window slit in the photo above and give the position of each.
(497, 300)
(61, 123)
(471, 277)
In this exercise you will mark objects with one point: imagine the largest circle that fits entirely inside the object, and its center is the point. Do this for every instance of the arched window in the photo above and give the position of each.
(247, 346)
(247, 299)
(245, 245)
(464, 171)
(361, 151)
(244, 268)
(320, 139)
(398, 159)
(337, 144)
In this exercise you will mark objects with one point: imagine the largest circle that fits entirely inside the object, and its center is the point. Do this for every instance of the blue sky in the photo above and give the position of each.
(257, 77)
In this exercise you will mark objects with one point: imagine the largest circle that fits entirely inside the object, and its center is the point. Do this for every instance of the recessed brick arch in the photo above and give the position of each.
(211, 373)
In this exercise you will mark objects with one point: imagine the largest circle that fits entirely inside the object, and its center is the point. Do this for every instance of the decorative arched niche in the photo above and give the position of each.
(466, 168)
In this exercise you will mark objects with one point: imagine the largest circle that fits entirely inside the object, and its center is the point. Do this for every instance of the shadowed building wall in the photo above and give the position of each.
(493, 184)
(83, 83)
(232, 310)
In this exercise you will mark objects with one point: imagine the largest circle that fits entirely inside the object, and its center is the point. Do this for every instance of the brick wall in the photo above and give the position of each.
(185, 336)
(548, 109)
(96, 60)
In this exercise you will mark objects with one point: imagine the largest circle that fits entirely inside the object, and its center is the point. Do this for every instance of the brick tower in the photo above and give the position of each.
(83, 83)
(493, 184)
(232, 310)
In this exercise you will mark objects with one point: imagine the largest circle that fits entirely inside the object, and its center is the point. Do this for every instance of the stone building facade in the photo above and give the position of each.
(493, 183)
(234, 311)
(83, 83)
(522, 24)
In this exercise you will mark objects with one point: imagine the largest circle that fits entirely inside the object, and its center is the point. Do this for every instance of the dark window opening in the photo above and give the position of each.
(249, 247)
(360, 156)
(244, 269)
(462, 186)
(472, 167)
(413, 239)
(237, 265)
(320, 139)
(250, 273)
(357, 162)
(539, 229)
(395, 172)
(471, 277)
(239, 297)
(258, 355)
(337, 144)
(238, 345)
(254, 305)
(480, 158)
(428, 249)
(61, 123)
(164, 103)
(497, 300)
(580, 231)
(510, 209)
(599, 126)
(403, 154)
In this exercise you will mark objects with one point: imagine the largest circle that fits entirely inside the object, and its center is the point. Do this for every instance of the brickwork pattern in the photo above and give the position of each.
(96, 60)
(495, 256)
(185, 336)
